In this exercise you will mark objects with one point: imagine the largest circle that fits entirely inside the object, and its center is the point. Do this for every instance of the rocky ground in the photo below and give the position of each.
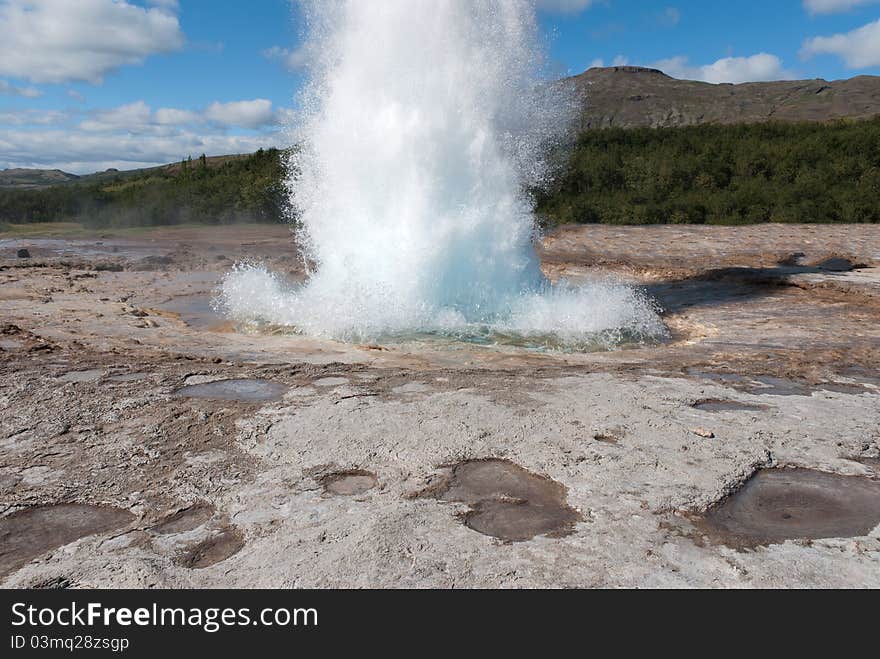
(147, 442)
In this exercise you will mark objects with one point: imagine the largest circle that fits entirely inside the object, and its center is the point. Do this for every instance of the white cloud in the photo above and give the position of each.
(133, 135)
(564, 6)
(620, 60)
(859, 48)
(669, 17)
(11, 90)
(248, 114)
(171, 5)
(32, 118)
(51, 41)
(292, 60)
(175, 117)
(83, 152)
(139, 118)
(834, 6)
(133, 117)
(76, 96)
(760, 67)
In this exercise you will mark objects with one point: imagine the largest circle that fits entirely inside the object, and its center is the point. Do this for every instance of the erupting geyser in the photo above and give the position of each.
(423, 124)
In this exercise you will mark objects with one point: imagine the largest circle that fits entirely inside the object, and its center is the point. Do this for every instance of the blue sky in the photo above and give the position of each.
(91, 84)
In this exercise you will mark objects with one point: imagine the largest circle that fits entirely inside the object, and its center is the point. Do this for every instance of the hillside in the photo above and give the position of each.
(33, 178)
(633, 97)
(22, 179)
(720, 174)
(671, 151)
(225, 189)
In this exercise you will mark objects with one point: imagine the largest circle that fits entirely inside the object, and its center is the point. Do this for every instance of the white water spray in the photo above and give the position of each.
(424, 122)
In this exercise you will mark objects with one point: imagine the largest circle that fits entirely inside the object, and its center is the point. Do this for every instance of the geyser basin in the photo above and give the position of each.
(560, 317)
(409, 184)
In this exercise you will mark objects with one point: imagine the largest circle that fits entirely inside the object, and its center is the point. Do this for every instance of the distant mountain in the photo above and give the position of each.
(33, 178)
(616, 97)
(631, 97)
(22, 179)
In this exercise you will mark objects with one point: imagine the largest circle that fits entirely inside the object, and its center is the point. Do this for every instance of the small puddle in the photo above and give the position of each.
(843, 388)
(213, 550)
(508, 502)
(330, 382)
(83, 376)
(349, 483)
(776, 505)
(197, 311)
(720, 405)
(763, 385)
(29, 533)
(247, 391)
(770, 386)
(184, 520)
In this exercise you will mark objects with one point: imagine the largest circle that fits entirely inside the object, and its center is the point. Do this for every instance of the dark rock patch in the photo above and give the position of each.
(721, 405)
(29, 533)
(507, 502)
(213, 550)
(776, 505)
(837, 264)
(843, 388)
(349, 483)
(766, 385)
(55, 583)
(184, 520)
(245, 390)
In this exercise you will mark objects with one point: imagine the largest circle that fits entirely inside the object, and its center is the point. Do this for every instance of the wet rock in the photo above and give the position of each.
(214, 550)
(721, 405)
(184, 520)
(837, 264)
(240, 390)
(349, 483)
(154, 262)
(508, 502)
(108, 267)
(330, 382)
(776, 505)
(31, 532)
(843, 388)
(766, 385)
(197, 311)
(92, 375)
(23, 254)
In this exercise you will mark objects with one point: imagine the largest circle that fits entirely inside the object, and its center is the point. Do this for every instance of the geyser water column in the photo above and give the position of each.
(423, 124)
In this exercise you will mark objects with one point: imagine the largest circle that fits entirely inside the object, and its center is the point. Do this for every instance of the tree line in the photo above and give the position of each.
(711, 174)
(210, 191)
